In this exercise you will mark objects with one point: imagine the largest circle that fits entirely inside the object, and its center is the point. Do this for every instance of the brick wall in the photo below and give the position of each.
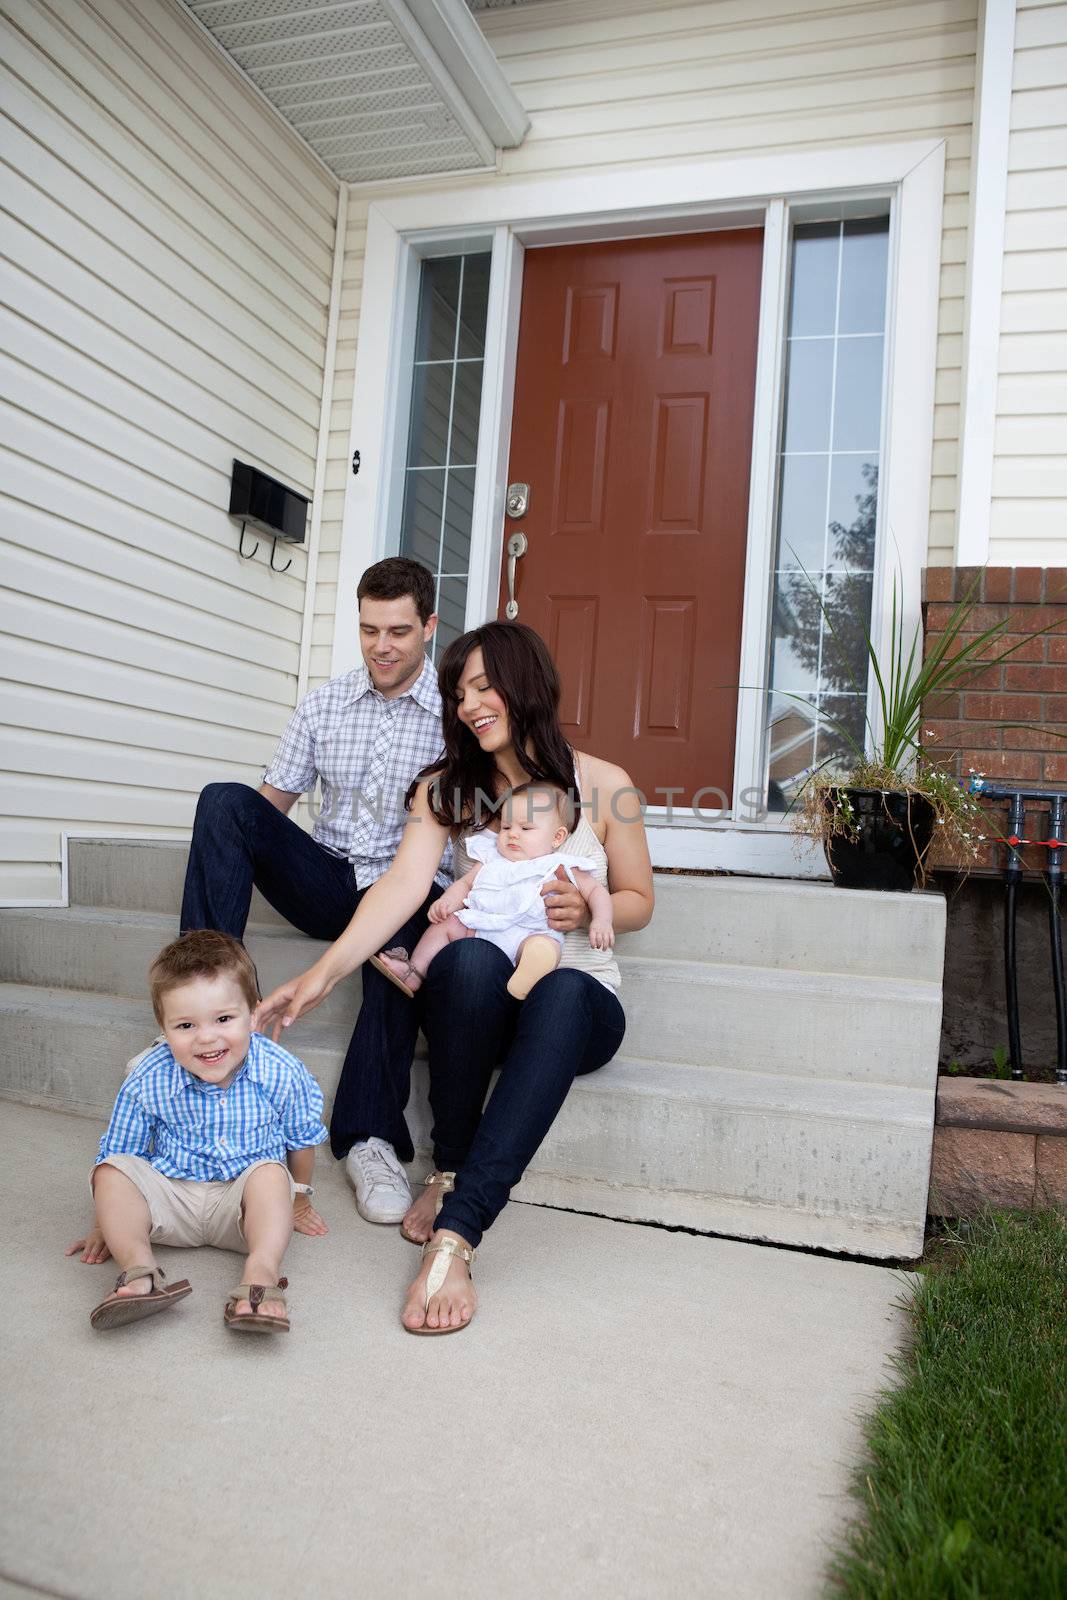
(1029, 689)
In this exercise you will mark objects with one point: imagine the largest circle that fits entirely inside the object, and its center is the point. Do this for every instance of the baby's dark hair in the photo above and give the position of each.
(201, 953)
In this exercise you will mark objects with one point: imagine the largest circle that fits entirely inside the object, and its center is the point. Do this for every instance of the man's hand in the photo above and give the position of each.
(93, 1248)
(305, 1218)
(564, 904)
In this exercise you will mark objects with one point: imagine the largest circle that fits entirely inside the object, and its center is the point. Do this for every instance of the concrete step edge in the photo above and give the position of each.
(717, 974)
(733, 1088)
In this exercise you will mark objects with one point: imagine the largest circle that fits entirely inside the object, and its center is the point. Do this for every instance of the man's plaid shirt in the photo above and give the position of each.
(190, 1129)
(364, 750)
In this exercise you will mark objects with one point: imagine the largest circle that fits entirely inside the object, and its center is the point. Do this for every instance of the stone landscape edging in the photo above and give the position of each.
(998, 1143)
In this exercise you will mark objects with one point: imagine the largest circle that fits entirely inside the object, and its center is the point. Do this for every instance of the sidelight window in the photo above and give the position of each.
(827, 502)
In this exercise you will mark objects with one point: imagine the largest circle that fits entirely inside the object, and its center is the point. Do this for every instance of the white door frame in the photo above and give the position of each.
(508, 215)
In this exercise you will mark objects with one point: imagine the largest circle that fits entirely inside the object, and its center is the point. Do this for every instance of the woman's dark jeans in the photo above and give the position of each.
(241, 840)
(569, 1024)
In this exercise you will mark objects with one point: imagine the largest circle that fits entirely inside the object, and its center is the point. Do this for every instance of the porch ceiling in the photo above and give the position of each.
(377, 88)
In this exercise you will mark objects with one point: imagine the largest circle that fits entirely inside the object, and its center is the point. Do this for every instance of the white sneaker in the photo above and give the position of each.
(383, 1193)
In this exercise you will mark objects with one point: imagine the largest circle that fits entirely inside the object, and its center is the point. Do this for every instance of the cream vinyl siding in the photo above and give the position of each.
(167, 250)
(1029, 513)
(614, 83)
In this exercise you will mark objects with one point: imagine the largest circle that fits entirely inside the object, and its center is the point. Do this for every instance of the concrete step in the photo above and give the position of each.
(138, 875)
(837, 1164)
(797, 926)
(109, 951)
(811, 1024)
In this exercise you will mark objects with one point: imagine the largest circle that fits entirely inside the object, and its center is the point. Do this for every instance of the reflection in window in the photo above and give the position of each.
(446, 393)
(827, 500)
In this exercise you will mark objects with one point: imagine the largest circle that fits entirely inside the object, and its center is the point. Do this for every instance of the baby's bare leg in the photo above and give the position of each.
(124, 1219)
(433, 941)
(538, 956)
(267, 1220)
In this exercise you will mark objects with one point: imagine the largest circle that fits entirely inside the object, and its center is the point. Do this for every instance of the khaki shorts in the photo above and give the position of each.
(186, 1211)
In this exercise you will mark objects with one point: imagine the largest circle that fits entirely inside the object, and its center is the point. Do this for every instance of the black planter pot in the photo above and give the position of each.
(893, 832)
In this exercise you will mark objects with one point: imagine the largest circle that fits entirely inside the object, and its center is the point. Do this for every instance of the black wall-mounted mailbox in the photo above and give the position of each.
(267, 504)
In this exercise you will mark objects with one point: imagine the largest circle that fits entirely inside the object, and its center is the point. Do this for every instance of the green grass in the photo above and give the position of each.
(964, 1487)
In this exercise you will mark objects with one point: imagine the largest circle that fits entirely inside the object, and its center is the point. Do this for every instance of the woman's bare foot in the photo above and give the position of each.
(419, 1220)
(455, 1301)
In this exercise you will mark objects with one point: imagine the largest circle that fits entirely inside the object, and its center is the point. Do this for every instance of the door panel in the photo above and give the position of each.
(633, 426)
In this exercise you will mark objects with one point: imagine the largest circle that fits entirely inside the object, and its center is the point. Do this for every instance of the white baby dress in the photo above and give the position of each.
(505, 904)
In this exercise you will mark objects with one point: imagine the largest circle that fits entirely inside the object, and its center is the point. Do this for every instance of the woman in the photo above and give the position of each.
(500, 718)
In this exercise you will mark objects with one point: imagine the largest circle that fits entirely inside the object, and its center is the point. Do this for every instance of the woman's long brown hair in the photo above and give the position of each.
(520, 669)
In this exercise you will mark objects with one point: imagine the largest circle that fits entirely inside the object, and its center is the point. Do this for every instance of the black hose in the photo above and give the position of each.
(1013, 871)
(1054, 878)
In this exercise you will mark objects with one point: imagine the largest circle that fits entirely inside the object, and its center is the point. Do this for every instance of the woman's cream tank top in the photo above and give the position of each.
(577, 951)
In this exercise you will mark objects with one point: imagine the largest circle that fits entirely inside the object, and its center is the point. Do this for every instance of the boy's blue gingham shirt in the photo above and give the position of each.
(364, 750)
(190, 1129)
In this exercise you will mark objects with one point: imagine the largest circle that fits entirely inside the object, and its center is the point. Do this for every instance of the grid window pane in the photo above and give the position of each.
(435, 334)
(827, 502)
(431, 407)
(802, 513)
(853, 512)
(858, 394)
(809, 388)
(865, 254)
(813, 291)
(455, 551)
(423, 503)
(451, 608)
(475, 305)
(466, 399)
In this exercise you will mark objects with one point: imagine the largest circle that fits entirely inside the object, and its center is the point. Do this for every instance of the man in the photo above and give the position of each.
(363, 737)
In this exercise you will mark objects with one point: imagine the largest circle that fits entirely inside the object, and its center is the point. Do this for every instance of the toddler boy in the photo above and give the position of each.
(212, 1135)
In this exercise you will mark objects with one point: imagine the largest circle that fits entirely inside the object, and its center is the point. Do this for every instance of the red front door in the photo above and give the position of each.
(633, 428)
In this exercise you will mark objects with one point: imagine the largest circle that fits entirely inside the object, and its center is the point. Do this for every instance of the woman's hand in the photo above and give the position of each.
(292, 1000)
(565, 906)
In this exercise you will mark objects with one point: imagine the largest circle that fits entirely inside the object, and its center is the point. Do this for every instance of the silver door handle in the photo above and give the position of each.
(517, 547)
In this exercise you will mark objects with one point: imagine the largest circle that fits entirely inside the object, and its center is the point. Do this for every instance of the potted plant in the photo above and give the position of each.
(879, 818)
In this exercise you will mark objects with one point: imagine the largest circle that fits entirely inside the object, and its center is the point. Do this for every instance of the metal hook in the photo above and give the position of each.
(273, 568)
(241, 551)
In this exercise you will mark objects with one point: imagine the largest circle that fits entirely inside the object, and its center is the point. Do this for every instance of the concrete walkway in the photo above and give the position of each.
(632, 1412)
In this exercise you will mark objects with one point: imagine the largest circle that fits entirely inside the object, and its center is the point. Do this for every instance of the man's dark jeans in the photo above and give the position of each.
(569, 1024)
(240, 840)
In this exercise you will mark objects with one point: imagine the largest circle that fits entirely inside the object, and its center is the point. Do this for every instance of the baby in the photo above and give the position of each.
(500, 898)
(212, 1135)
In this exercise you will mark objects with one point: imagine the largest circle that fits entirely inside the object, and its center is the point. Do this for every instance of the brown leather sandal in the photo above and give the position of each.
(117, 1310)
(257, 1294)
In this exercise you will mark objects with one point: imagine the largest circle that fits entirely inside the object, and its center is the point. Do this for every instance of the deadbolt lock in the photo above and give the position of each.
(518, 499)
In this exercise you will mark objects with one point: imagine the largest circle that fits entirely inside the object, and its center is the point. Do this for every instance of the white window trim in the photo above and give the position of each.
(659, 198)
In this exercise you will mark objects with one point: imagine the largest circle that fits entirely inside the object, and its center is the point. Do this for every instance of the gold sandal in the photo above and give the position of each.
(447, 1182)
(446, 1250)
